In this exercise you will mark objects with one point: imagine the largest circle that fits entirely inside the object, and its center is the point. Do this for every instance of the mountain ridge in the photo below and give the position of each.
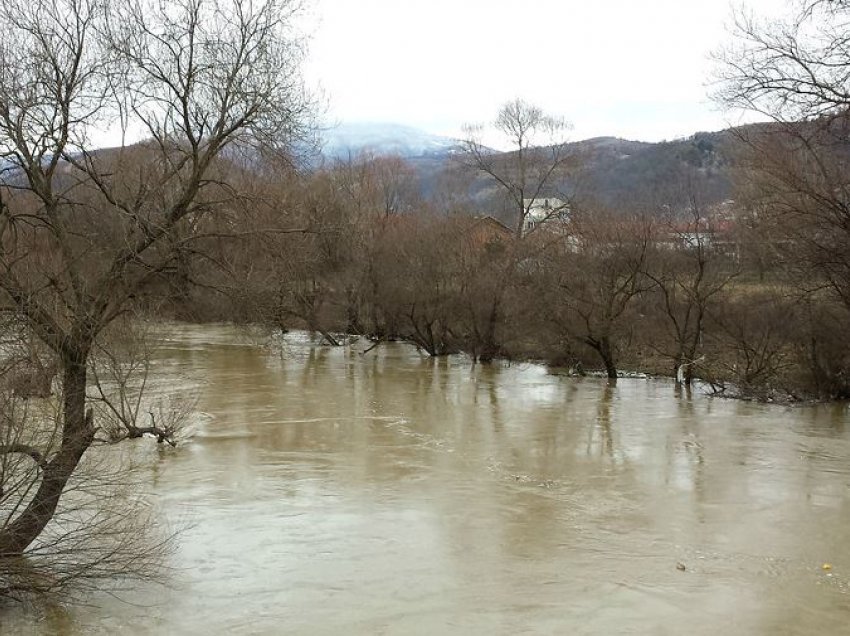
(611, 170)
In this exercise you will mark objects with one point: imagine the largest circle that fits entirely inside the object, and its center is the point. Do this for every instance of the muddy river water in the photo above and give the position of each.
(330, 492)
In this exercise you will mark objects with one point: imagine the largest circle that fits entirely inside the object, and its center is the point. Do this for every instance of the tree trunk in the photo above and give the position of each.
(77, 436)
(608, 359)
(352, 313)
(688, 375)
(603, 348)
(687, 358)
(684, 373)
(489, 348)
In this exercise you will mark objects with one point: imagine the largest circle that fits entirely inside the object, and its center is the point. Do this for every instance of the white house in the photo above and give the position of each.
(542, 209)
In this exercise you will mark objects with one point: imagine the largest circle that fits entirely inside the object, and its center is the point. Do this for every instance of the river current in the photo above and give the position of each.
(328, 491)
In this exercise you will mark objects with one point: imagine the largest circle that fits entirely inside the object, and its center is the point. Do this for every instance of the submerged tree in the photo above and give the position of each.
(689, 272)
(85, 234)
(594, 278)
(105, 531)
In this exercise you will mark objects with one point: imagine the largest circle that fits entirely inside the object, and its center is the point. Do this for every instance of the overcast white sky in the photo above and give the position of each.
(632, 68)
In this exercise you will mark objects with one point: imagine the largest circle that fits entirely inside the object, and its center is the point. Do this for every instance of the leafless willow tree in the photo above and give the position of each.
(594, 279)
(106, 531)
(535, 163)
(84, 233)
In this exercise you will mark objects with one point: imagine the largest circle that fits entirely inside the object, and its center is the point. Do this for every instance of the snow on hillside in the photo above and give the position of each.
(383, 139)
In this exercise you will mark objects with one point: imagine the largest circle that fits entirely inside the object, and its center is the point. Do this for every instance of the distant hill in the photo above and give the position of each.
(615, 171)
(610, 170)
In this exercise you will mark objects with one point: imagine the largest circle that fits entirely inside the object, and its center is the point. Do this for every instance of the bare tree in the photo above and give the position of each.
(84, 233)
(424, 282)
(394, 184)
(312, 279)
(689, 272)
(790, 69)
(751, 346)
(120, 370)
(793, 172)
(105, 531)
(531, 172)
(535, 165)
(598, 273)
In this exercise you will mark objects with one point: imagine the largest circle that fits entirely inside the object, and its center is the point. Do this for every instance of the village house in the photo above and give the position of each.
(542, 209)
(716, 231)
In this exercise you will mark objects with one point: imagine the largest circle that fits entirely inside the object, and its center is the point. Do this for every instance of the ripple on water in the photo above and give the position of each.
(330, 492)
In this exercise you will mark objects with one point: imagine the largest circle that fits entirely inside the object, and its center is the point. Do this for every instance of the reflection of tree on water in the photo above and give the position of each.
(315, 362)
(689, 449)
(602, 426)
(487, 376)
(682, 390)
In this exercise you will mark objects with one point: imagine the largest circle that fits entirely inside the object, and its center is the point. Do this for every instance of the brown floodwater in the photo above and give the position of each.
(330, 492)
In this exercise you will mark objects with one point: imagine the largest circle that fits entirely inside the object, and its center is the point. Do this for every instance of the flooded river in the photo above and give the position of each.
(330, 492)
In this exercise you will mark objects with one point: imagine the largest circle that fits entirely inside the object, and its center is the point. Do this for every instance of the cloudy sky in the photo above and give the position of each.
(634, 69)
